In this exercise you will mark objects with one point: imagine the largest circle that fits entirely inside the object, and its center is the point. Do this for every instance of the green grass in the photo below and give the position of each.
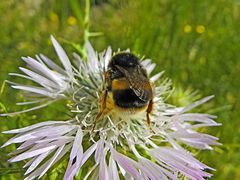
(195, 42)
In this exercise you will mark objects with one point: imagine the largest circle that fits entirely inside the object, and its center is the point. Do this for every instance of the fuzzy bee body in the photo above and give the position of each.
(127, 89)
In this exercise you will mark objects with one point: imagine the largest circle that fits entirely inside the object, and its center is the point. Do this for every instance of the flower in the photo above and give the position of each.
(124, 147)
(55, 81)
(187, 28)
(200, 29)
(71, 20)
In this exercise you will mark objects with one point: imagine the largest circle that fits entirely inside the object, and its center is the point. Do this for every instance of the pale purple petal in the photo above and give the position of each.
(19, 75)
(52, 65)
(195, 104)
(52, 138)
(18, 139)
(28, 143)
(73, 169)
(34, 89)
(126, 163)
(92, 57)
(53, 131)
(30, 162)
(99, 151)
(52, 160)
(57, 156)
(28, 128)
(37, 161)
(77, 145)
(197, 117)
(40, 132)
(33, 153)
(103, 172)
(88, 153)
(77, 154)
(181, 161)
(62, 56)
(155, 170)
(194, 139)
(112, 170)
(43, 70)
(39, 79)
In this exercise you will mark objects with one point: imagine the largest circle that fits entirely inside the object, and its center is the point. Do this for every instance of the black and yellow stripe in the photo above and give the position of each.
(124, 96)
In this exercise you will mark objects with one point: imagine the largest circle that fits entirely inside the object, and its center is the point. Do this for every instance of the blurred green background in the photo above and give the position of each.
(195, 42)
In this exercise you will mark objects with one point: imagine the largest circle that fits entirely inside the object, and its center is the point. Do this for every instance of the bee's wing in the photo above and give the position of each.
(138, 81)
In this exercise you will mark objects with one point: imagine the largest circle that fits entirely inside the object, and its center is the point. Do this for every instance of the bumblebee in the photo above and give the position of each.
(127, 89)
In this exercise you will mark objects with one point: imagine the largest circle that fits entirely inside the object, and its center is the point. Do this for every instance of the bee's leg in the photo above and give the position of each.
(149, 110)
(103, 100)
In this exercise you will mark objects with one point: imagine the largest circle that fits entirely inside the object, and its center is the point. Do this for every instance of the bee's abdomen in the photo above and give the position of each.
(127, 99)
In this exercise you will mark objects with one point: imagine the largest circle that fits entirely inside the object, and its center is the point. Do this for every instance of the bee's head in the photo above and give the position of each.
(125, 60)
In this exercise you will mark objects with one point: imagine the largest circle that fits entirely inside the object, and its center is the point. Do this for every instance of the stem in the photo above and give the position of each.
(86, 26)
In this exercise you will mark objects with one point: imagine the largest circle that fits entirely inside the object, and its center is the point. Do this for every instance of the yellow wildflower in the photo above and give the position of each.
(71, 20)
(53, 17)
(187, 28)
(200, 29)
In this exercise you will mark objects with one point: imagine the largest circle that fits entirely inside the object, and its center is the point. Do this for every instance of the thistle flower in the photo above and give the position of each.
(125, 148)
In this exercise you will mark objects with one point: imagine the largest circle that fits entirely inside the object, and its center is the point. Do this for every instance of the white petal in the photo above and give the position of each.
(107, 56)
(18, 139)
(77, 145)
(52, 161)
(39, 79)
(39, 170)
(103, 173)
(92, 57)
(29, 162)
(73, 168)
(88, 153)
(28, 128)
(52, 65)
(157, 171)
(63, 57)
(99, 151)
(37, 161)
(123, 172)
(156, 76)
(28, 143)
(194, 139)
(29, 154)
(34, 89)
(20, 75)
(67, 138)
(145, 62)
(42, 69)
(196, 117)
(113, 171)
(195, 104)
(150, 68)
(181, 161)
(41, 132)
(126, 163)
(54, 131)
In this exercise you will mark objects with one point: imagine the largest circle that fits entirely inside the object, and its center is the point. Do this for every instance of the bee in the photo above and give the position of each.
(126, 89)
